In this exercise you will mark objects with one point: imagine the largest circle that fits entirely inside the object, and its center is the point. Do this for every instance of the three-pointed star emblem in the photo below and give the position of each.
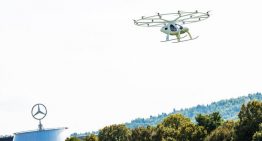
(39, 111)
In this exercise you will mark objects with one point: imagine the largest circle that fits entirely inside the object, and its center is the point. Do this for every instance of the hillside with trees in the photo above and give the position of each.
(177, 127)
(228, 110)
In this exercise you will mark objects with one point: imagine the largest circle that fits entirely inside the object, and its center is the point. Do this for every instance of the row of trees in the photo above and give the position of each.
(228, 109)
(177, 127)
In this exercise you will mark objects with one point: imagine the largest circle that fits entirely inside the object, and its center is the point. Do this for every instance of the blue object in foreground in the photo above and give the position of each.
(41, 135)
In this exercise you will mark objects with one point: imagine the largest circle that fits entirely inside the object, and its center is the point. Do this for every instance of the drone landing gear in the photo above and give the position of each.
(189, 35)
(174, 39)
(186, 40)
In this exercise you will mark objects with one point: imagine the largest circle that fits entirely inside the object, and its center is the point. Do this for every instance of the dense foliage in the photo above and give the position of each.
(177, 127)
(73, 139)
(91, 137)
(209, 122)
(258, 135)
(114, 133)
(224, 132)
(250, 117)
(228, 110)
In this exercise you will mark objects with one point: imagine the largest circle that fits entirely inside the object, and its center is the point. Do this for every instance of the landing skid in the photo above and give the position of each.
(175, 39)
(186, 40)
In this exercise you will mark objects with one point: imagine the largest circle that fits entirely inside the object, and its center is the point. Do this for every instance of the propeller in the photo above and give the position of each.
(179, 17)
(158, 14)
(179, 13)
(208, 13)
(135, 22)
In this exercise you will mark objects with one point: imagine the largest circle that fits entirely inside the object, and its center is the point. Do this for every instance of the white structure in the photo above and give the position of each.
(39, 111)
(41, 135)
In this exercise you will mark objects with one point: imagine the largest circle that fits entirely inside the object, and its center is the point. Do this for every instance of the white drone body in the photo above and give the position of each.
(174, 29)
(171, 23)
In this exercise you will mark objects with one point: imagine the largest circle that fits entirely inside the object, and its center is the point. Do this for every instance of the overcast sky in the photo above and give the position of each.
(91, 66)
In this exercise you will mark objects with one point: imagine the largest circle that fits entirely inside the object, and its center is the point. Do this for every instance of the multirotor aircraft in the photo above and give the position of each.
(171, 23)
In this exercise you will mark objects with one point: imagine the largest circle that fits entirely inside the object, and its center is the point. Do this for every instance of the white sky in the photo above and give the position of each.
(91, 66)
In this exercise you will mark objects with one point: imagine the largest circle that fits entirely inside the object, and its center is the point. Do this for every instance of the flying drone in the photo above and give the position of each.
(171, 23)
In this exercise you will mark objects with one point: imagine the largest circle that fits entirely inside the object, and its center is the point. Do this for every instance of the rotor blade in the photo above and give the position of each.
(151, 21)
(191, 17)
(134, 21)
(181, 17)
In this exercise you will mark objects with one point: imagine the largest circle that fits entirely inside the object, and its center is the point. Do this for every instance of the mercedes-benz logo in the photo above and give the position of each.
(39, 111)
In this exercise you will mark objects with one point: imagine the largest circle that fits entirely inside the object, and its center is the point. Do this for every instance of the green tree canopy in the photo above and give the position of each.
(210, 122)
(224, 132)
(72, 139)
(175, 121)
(177, 127)
(91, 137)
(114, 133)
(258, 135)
(250, 117)
(143, 134)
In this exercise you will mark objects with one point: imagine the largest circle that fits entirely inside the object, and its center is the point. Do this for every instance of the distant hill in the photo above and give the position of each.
(228, 109)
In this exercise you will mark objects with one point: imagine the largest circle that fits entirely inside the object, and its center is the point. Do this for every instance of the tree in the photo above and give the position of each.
(177, 127)
(199, 134)
(91, 137)
(164, 133)
(175, 121)
(114, 133)
(250, 116)
(224, 132)
(72, 139)
(210, 122)
(191, 132)
(258, 135)
(142, 134)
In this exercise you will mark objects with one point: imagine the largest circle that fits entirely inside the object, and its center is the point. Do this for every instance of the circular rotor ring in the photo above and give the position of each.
(179, 17)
